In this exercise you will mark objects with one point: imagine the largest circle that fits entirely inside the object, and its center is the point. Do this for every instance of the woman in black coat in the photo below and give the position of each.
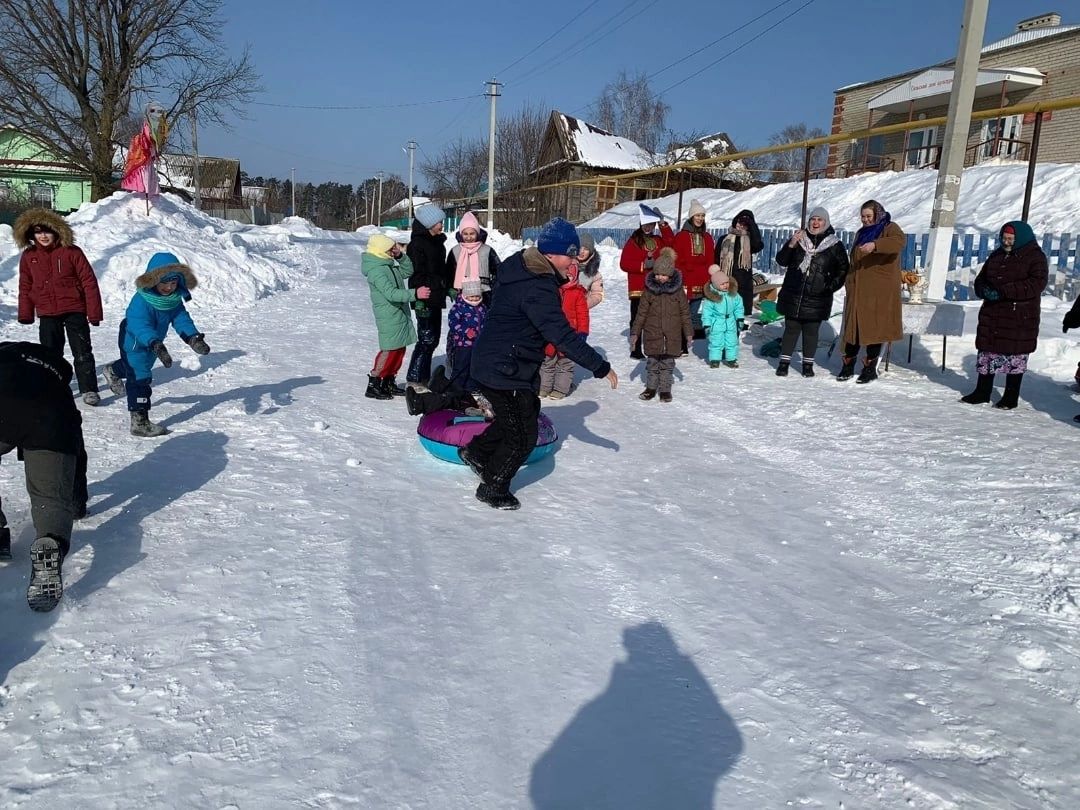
(735, 254)
(817, 264)
(427, 252)
(1010, 283)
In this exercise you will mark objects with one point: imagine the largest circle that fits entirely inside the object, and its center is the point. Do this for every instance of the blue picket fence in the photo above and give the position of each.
(968, 252)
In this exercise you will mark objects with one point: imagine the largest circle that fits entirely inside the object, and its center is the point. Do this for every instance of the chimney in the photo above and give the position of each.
(1049, 20)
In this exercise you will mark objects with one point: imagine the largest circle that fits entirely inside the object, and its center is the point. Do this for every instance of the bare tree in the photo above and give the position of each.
(458, 171)
(788, 166)
(629, 108)
(72, 71)
(517, 147)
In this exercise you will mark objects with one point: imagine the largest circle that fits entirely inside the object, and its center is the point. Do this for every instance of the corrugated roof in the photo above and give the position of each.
(1032, 34)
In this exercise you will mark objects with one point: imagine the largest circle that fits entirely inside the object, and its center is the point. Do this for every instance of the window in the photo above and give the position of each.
(921, 151)
(867, 154)
(1001, 137)
(606, 195)
(5, 191)
(41, 194)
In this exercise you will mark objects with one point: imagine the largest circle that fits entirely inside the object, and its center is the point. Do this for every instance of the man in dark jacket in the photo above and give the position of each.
(525, 315)
(39, 418)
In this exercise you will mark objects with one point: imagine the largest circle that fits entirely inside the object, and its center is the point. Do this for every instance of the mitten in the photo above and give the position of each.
(1071, 320)
(990, 294)
(740, 325)
(197, 344)
(158, 348)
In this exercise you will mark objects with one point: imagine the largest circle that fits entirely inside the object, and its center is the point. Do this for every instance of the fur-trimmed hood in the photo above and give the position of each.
(22, 230)
(713, 294)
(673, 283)
(151, 278)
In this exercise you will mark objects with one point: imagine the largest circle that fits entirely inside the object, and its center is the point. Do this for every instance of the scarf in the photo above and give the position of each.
(809, 250)
(170, 301)
(727, 252)
(468, 263)
(870, 233)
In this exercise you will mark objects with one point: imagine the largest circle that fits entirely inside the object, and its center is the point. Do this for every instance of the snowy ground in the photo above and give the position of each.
(769, 593)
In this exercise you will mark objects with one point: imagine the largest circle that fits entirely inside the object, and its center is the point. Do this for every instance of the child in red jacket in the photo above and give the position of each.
(58, 285)
(557, 370)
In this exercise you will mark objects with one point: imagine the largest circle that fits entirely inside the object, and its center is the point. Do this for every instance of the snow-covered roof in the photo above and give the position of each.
(402, 205)
(600, 149)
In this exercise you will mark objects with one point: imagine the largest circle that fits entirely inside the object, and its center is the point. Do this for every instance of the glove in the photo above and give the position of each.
(990, 294)
(740, 325)
(158, 348)
(95, 323)
(197, 344)
(1071, 320)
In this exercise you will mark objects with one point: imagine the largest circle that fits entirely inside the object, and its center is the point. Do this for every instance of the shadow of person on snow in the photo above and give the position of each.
(175, 372)
(176, 466)
(656, 737)
(280, 394)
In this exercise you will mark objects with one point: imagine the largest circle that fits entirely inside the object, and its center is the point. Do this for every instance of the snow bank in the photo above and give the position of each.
(989, 197)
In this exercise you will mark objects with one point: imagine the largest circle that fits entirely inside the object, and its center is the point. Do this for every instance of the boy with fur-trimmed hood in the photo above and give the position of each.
(57, 283)
(158, 303)
(663, 324)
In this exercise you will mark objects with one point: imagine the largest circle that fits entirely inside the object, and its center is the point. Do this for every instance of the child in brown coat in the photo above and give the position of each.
(663, 323)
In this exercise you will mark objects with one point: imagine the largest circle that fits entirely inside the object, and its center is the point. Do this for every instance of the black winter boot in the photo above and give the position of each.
(497, 497)
(807, 368)
(868, 373)
(782, 368)
(375, 389)
(847, 370)
(983, 388)
(46, 580)
(647, 394)
(390, 386)
(1011, 398)
(5, 543)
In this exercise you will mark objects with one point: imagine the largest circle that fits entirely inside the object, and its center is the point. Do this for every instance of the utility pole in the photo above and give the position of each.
(195, 160)
(379, 214)
(412, 150)
(493, 92)
(954, 147)
(292, 184)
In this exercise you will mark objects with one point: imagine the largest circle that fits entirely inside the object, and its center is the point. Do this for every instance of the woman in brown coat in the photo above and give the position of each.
(872, 307)
(1010, 284)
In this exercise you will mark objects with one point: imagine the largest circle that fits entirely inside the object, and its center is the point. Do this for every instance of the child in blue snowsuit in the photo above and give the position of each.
(722, 314)
(158, 303)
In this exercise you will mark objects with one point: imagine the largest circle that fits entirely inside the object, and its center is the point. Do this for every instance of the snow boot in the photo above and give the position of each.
(143, 427)
(391, 387)
(714, 364)
(647, 394)
(665, 396)
(808, 368)
(496, 497)
(731, 363)
(1011, 398)
(46, 583)
(375, 389)
(868, 373)
(92, 398)
(847, 370)
(782, 368)
(116, 384)
(5, 543)
(983, 388)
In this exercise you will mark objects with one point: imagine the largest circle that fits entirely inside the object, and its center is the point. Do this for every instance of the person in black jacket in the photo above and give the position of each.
(735, 255)
(38, 417)
(427, 252)
(1072, 321)
(525, 315)
(817, 264)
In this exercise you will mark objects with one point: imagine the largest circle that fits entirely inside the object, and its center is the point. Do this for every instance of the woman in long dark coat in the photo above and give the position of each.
(1010, 284)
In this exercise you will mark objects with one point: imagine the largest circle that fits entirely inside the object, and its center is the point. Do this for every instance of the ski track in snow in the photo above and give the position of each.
(875, 583)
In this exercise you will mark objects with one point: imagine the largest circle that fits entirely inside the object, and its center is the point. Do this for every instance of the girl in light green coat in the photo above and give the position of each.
(385, 266)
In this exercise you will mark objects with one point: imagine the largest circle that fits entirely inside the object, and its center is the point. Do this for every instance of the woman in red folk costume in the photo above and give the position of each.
(694, 249)
(638, 255)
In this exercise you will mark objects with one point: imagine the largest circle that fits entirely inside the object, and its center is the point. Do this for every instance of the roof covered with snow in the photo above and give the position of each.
(598, 148)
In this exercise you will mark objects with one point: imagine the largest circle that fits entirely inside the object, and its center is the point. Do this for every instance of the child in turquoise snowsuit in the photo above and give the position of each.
(722, 313)
(158, 303)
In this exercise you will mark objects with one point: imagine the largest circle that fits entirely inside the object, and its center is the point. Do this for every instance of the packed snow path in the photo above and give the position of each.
(771, 592)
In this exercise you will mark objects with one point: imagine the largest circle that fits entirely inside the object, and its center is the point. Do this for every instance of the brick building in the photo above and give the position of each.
(1040, 61)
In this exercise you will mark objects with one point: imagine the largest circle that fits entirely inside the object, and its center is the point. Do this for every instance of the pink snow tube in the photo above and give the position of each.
(443, 432)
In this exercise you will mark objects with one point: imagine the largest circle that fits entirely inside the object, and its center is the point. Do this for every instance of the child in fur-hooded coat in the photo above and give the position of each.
(663, 324)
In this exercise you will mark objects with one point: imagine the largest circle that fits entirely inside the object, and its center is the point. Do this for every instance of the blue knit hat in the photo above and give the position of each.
(429, 215)
(558, 238)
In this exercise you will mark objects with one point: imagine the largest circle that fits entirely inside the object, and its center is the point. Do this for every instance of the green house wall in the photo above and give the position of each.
(26, 164)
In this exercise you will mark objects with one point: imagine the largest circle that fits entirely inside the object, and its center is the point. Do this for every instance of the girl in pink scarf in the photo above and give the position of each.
(471, 259)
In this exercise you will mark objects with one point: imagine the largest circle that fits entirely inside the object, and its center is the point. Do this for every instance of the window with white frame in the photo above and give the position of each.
(42, 194)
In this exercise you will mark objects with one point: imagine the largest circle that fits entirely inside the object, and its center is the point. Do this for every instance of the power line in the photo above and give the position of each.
(714, 63)
(546, 41)
(721, 39)
(625, 10)
(361, 107)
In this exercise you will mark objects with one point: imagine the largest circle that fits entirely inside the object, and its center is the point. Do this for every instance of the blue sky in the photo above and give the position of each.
(367, 54)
